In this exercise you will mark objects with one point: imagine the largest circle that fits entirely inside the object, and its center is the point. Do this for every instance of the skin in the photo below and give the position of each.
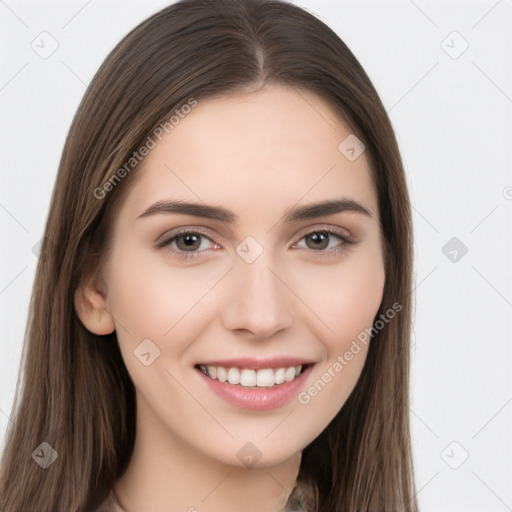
(256, 154)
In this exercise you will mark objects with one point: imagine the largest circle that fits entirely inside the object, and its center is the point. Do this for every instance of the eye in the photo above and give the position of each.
(327, 240)
(188, 243)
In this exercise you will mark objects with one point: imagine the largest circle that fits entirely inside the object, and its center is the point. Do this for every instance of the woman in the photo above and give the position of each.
(221, 313)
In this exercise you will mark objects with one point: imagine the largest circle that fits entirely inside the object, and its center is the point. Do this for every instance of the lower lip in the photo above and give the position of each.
(257, 399)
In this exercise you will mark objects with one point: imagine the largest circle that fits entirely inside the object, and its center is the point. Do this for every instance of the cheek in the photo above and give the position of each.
(344, 298)
(150, 297)
(359, 296)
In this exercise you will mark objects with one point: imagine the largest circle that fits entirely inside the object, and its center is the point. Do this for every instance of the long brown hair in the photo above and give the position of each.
(74, 392)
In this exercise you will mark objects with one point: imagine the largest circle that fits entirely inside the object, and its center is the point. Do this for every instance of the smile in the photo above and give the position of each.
(252, 378)
(256, 385)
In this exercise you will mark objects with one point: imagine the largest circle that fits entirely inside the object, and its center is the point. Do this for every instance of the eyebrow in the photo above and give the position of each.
(293, 214)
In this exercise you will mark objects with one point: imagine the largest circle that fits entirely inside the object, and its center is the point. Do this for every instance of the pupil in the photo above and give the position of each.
(190, 240)
(318, 239)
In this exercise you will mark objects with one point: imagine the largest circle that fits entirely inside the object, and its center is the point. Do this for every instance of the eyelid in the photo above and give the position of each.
(346, 240)
(167, 236)
(209, 233)
(342, 233)
(338, 230)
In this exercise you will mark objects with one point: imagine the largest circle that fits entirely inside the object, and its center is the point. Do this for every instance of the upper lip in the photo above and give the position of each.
(258, 363)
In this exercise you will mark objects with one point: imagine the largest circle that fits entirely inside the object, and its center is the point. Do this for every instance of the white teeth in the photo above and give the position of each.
(279, 376)
(262, 378)
(212, 371)
(233, 376)
(222, 374)
(289, 375)
(265, 378)
(248, 378)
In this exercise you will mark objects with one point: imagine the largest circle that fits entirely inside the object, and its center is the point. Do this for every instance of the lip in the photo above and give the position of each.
(257, 399)
(257, 363)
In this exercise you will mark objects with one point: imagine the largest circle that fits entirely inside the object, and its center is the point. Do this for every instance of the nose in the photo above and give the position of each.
(258, 301)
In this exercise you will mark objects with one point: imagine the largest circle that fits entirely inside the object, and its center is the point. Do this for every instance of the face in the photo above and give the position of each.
(250, 282)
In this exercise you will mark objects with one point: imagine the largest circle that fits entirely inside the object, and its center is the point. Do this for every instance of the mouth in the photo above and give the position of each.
(253, 377)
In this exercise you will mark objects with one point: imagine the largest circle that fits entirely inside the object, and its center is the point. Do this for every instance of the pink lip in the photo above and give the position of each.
(257, 399)
(258, 363)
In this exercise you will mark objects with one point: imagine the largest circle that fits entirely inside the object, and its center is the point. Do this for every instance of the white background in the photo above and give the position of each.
(452, 117)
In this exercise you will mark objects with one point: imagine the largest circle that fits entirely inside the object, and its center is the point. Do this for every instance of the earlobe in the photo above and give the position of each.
(91, 309)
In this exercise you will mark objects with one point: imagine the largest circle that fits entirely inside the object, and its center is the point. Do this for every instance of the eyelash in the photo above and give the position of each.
(189, 255)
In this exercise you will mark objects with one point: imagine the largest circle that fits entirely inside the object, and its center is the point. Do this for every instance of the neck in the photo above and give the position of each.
(167, 474)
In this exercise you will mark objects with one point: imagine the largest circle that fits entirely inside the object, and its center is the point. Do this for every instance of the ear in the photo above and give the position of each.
(90, 306)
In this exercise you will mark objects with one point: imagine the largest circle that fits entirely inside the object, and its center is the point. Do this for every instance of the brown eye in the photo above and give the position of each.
(319, 240)
(187, 244)
(325, 242)
(191, 241)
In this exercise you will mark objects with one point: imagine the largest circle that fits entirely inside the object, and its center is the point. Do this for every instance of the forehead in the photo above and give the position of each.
(266, 149)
